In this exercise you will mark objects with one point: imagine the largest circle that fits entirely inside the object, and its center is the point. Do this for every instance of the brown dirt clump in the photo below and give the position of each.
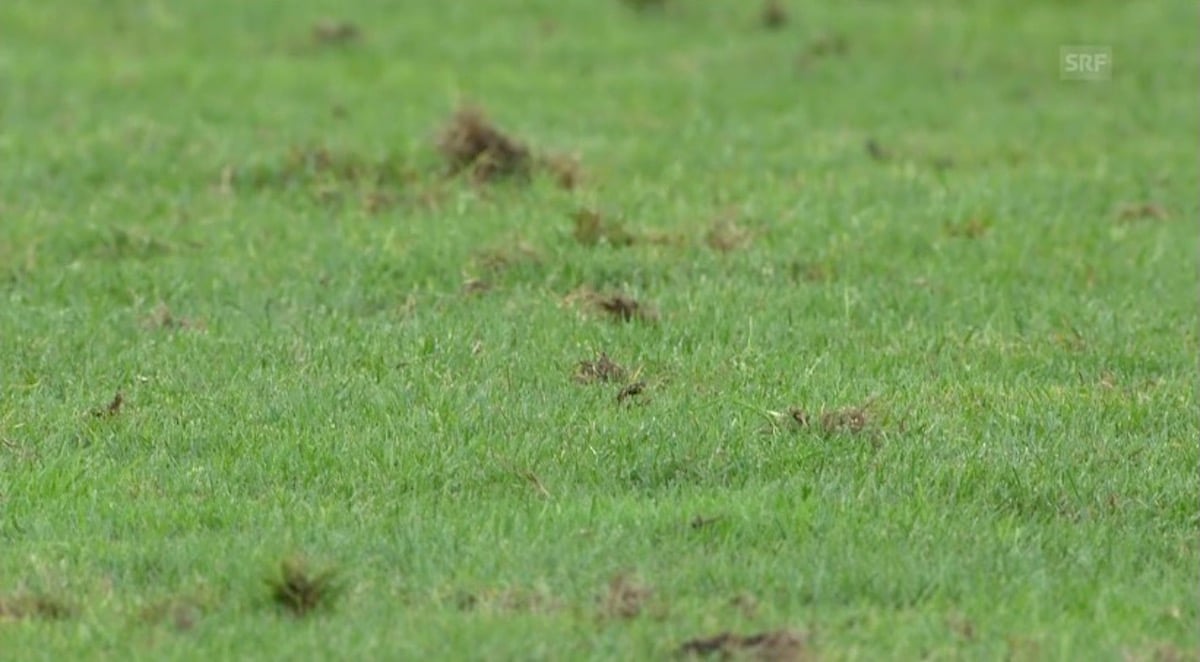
(774, 15)
(777, 646)
(627, 309)
(877, 151)
(332, 32)
(630, 391)
(565, 170)
(591, 228)
(642, 5)
(301, 591)
(505, 256)
(618, 306)
(471, 143)
(811, 271)
(31, 607)
(474, 286)
(625, 597)
(600, 369)
(182, 614)
(1143, 211)
(329, 176)
(972, 228)
(725, 235)
(112, 408)
(509, 600)
(823, 47)
(162, 318)
(842, 420)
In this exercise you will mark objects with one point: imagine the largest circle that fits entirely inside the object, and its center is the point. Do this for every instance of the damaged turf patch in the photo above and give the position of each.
(627, 309)
(301, 591)
(601, 369)
(841, 421)
(509, 600)
(503, 257)
(624, 598)
(972, 228)
(112, 408)
(778, 646)
(162, 318)
(329, 176)
(726, 235)
(332, 32)
(773, 15)
(1143, 211)
(617, 306)
(182, 614)
(591, 229)
(822, 48)
(471, 143)
(630, 391)
(34, 607)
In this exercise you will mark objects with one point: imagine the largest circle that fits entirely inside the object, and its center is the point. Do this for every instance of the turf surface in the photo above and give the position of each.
(911, 372)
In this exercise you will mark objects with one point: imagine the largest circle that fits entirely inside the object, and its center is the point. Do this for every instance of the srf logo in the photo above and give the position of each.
(1085, 62)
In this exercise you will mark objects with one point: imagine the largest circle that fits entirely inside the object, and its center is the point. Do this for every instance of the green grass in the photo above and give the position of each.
(1026, 352)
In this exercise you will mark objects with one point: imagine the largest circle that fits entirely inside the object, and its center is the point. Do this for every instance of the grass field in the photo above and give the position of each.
(865, 332)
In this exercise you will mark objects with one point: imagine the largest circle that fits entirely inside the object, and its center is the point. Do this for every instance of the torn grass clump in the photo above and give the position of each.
(301, 591)
(592, 228)
(601, 369)
(471, 143)
(779, 646)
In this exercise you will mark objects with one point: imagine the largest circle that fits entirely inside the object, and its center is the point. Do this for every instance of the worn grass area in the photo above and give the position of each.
(849, 333)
